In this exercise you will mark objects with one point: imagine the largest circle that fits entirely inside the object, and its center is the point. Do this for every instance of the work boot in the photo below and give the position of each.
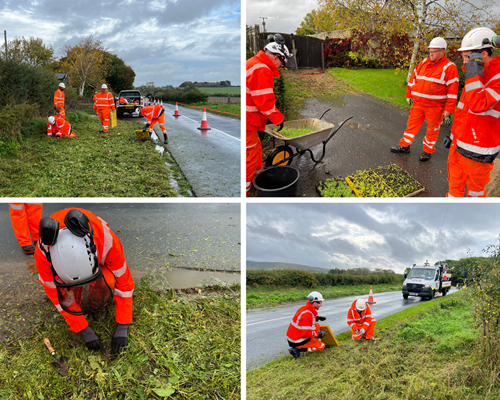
(29, 249)
(294, 352)
(165, 138)
(327, 346)
(101, 131)
(399, 149)
(425, 156)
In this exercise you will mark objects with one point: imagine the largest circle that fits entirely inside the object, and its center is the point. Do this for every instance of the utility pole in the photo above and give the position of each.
(5, 36)
(264, 23)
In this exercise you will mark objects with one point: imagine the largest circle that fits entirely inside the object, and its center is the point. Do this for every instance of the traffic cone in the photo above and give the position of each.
(162, 104)
(176, 113)
(370, 297)
(204, 123)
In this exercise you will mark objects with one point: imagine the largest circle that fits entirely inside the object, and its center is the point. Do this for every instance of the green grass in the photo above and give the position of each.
(382, 83)
(180, 346)
(271, 297)
(427, 352)
(89, 165)
(216, 90)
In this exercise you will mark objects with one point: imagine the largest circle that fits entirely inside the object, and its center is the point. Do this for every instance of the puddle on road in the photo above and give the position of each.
(185, 278)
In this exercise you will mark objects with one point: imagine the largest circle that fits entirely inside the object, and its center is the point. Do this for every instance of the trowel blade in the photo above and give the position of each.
(61, 366)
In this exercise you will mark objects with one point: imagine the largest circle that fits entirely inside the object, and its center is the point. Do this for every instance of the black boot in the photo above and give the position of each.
(425, 156)
(294, 352)
(399, 149)
(165, 138)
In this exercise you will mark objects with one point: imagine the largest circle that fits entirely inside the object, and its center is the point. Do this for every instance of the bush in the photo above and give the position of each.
(12, 116)
(35, 126)
(8, 146)
(187, 96)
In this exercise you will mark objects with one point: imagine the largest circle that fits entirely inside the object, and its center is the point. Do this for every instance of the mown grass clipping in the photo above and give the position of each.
(180, 346)
(91, 164)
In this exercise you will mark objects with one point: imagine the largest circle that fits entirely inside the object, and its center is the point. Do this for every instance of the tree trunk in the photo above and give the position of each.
(82, 87)
(413, 61)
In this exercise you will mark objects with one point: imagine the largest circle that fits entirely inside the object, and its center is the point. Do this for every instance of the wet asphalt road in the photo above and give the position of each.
(266, 328)
(365, 141)
(155, 237)
(210, 160)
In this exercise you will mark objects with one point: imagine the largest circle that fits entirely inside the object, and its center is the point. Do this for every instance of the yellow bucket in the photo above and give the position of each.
(142, 135)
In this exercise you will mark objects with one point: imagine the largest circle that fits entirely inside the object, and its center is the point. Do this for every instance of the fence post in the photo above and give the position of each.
(228, 99)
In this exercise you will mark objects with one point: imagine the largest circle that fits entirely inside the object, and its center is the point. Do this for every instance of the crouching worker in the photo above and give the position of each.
(359, 318)
(57, 126)
(155, 113)
(303, 332)
(81, 266)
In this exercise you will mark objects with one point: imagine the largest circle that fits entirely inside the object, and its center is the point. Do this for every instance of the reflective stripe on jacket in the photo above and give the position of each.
(475, 126)
(104, 101)
(303, 326)
(59, 98)
(354, 320)
(434, 83)
(152, 112)
(110, 254)
(261, 103)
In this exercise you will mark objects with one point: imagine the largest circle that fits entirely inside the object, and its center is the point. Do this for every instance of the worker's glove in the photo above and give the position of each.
(447, 141)
(447, 120)
(145, 127)
(356, 331)
(56, 109)
(362, 331)
(92, 340)
(410, 101)
(119, 341)
(280, 126)
(321, 334)
(474, 67)
(321, 318)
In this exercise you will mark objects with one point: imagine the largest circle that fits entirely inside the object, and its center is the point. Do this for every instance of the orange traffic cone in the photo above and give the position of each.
(204, 123)
(176, 113)
(370, 297)
(162, 104)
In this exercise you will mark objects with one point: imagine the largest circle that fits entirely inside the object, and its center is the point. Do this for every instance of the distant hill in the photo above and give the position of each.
(281, 265)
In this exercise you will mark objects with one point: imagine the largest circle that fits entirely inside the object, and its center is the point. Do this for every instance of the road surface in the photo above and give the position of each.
(266, 328)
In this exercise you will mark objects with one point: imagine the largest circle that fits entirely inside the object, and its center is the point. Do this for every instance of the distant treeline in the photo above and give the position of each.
(206, 84)
(297, 277)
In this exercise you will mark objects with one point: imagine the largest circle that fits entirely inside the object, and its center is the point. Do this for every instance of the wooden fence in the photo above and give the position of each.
(224, 100)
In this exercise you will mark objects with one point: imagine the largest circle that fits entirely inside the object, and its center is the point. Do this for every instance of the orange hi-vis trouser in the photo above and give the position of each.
(161, 122)
(313, 344)
(25, 219)
(368, 331)
(462, 170)
(104, 114)
(61, 111)
(254, 157)
(419, 113)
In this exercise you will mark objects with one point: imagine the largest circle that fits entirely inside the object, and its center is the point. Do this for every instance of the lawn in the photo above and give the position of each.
(224, 89)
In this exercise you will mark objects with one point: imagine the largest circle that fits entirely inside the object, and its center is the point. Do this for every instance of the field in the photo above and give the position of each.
(225, 89)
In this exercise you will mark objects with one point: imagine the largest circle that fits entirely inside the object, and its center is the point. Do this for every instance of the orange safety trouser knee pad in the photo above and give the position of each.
(104, 115)
(25, 219)
(254, 158)
(462, 170)
(434, 117)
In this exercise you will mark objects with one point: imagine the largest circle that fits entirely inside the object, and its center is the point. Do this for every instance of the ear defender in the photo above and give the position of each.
(78, 223)
(48, 231)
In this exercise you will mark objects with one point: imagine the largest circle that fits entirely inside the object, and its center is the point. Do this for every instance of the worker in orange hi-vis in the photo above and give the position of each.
(82, 267)
(105, 104)
(432, 93)
(57, 126)
(261, 103)
(153, 114)
(25, 219)
(59, 100)
(361, 321)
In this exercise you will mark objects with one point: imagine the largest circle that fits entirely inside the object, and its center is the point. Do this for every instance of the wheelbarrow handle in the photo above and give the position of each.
(322, 115)
(336, 130)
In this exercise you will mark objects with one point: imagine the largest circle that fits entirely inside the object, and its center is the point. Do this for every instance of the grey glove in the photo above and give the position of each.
(321, 334)
(362, 331)
(474, 67)
(280, 126)
(92, 340)
(119, 341)
(447, 141)
(321, 318)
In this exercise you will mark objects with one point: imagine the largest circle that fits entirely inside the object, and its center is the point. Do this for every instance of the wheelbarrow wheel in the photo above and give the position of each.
(279, 154)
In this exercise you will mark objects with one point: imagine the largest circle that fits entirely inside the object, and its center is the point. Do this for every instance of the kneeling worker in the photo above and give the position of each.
(59, 127)
(360, 320)
(81, 266)
(303, 332)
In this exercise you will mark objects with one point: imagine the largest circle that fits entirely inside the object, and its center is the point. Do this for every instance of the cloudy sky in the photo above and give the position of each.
(165, 41)
(373, 235)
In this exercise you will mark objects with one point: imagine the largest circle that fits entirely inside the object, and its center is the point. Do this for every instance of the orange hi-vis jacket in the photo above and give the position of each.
(60, 128)
(104, 101)
(355, 321)
(434, 84)
(303, 327)
(152, 112)
(476, 123)
(123, 100)
(111, 256)
(59, 99)
(261, 102)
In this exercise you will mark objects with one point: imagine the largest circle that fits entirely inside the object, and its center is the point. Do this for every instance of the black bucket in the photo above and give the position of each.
(280, 181)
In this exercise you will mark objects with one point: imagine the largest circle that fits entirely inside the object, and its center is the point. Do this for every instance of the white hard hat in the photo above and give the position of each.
(104, 86)
(62, 85)
(360, 305)
(478, 38)
(52, 120)
(437, 43)
(315, 296)
(72, 258)
(279, 49)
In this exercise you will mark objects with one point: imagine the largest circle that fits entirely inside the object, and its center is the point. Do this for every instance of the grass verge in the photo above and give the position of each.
(426, 352)
(271, 297)
(384, 84)
(88, 165)
(180, 346)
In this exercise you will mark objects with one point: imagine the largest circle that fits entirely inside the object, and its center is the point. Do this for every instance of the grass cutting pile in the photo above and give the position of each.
(294, 132)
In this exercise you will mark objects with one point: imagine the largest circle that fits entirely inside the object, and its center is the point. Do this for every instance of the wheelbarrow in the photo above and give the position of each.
(322, 133)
